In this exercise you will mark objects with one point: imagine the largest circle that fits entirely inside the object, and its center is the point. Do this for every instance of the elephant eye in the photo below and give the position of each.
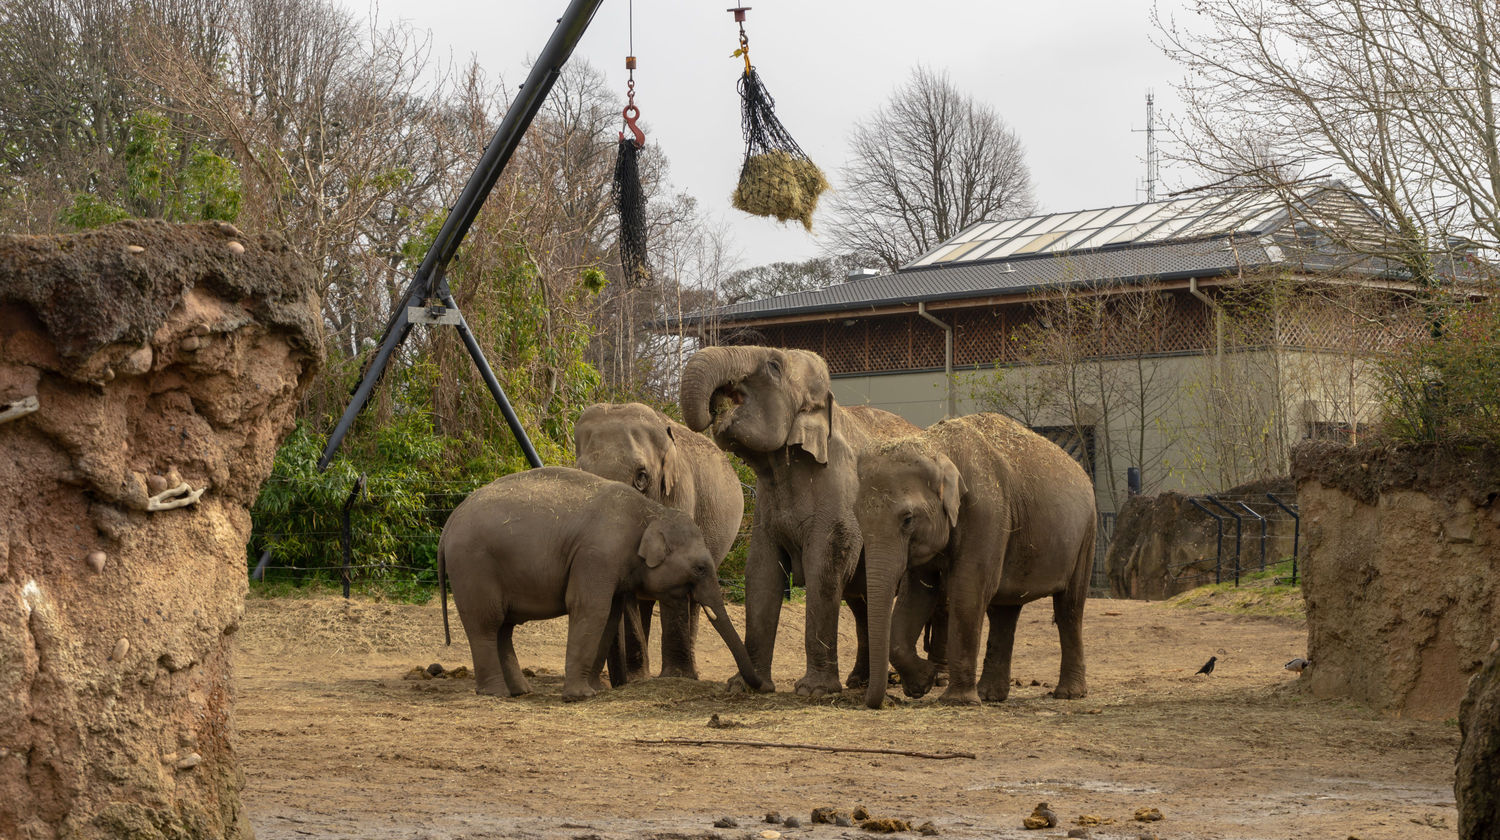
(907, 520)
(642, 480)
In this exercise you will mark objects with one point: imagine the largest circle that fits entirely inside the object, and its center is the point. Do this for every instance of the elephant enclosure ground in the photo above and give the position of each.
(335, 743)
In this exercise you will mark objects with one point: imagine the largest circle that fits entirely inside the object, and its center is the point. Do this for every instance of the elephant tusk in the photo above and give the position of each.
(180, 496)
(18, 409)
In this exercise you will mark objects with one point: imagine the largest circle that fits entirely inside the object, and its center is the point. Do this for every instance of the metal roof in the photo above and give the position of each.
(1197, 236)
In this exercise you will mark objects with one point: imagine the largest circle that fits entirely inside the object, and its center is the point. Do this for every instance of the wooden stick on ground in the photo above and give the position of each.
(696, 742)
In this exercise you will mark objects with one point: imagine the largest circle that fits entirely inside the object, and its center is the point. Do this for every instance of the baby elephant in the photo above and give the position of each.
(546, 542)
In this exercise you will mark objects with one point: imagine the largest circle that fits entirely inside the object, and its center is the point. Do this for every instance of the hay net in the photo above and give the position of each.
(777, 178)
(630, 203)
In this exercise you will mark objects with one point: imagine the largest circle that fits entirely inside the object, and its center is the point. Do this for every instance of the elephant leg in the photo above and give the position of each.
(967, 600)
(613, 631)
(515, 679)
(589, 638)
(484, 644)
(679, 631)
(994, 684)
(635, 629)
(1067, 613)
(913, 609)
(765, 578)
(854, 596)
(937, 638)
(824, 559)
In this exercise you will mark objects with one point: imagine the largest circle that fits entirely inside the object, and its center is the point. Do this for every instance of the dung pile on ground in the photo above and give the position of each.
(147, 373)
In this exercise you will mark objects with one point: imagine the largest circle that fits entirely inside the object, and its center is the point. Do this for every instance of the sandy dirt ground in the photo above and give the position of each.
(336, 743)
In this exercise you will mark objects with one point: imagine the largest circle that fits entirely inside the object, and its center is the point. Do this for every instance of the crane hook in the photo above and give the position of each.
(631, 114)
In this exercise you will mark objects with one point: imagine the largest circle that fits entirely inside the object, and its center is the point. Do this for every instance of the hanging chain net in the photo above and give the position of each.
(630, 203)
(777, 178)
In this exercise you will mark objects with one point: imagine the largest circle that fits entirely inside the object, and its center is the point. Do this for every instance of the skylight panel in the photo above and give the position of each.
(938, 255)
(976, 233)
(1050, 223)
(1040, 242)
(959, 250)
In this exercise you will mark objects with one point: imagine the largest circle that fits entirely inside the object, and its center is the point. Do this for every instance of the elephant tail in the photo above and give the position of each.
(443, 593)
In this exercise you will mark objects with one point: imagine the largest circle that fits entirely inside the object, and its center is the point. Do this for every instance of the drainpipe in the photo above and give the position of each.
(947, 356)
(1218, 323)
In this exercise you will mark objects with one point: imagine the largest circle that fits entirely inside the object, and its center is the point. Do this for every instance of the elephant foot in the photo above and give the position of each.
(736, 685)
(494, 687)
(919, 678)
(571, 695)
(940, 675)
(962, 697)
(686, 672)
(818, 685)
(858, 678)
(993, 694)
(1071, 690)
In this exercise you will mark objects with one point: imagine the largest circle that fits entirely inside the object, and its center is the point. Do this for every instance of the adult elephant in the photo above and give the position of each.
(677, 467)
(996, 514)
(775, 409)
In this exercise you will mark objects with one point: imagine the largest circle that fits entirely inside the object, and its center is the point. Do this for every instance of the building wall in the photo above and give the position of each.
(1196, 440)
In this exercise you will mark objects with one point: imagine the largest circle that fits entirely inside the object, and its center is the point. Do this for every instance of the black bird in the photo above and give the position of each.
(1208, 667)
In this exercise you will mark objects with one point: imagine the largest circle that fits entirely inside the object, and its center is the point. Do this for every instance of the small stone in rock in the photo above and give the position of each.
(189, 761)
(726, 822)
(122, 648)
(96, 561)
(134, 249)
(236, 248)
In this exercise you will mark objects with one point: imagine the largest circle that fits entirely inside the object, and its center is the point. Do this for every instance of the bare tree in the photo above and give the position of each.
(928, 164)
(1396, 97)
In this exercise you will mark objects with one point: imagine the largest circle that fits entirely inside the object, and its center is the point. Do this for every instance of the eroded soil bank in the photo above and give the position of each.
(147, 372)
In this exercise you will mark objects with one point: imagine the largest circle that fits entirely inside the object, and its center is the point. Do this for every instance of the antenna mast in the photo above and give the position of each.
(1153, 163)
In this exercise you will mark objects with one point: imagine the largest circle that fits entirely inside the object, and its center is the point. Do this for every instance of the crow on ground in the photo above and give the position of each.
(1208, 667)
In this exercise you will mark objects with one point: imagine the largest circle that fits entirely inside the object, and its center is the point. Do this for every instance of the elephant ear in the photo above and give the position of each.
(653, 548)
(951, 488)
(671, 464)
(812, 427)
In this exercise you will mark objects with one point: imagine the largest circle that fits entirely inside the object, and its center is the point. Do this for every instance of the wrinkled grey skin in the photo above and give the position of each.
(775, 409)
(676, 466)
(558, 541)
(995, 515)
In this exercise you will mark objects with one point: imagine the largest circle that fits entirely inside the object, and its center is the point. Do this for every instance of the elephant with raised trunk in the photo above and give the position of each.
(674, 465)
(775, 409)
(558, 541)
(997, 516)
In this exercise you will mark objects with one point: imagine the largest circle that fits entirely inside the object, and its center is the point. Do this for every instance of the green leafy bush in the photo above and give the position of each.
(1445, 388)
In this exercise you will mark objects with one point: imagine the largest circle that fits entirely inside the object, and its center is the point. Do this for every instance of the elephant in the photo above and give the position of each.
(560, 541)
(995, 515)
(775, 409)
(683, 470)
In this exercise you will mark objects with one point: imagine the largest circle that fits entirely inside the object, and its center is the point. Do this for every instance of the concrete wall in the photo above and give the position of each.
(1191, 444)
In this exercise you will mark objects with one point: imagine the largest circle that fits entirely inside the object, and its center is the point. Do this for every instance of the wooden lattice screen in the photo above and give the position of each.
(985, 336)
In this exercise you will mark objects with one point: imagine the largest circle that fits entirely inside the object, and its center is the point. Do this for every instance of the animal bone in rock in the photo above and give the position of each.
(180, 496)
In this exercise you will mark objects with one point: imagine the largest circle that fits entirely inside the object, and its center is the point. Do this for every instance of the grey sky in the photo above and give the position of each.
(1069, 77)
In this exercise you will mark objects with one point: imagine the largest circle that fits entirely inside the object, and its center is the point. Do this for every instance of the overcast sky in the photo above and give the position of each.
(1070, 77)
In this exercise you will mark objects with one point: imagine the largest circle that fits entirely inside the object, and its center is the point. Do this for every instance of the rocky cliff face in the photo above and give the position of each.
(1401, 580)
(147, 373)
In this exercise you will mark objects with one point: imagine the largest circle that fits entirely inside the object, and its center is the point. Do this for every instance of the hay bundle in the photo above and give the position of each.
(777, 178)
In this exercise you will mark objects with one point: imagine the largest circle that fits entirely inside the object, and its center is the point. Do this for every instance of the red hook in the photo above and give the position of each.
(631, 114)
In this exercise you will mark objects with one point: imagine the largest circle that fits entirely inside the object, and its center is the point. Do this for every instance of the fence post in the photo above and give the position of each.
(1238, 523)
(1218, 539)
(346, 535)
(1296, 530)
(1262, 519)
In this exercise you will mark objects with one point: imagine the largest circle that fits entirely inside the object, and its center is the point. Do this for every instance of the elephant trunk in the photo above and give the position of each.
(704, 373)
(712, 599)
(883, 568)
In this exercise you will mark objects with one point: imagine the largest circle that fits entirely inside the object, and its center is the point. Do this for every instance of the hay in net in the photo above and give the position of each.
(630, 203)
(777, 178)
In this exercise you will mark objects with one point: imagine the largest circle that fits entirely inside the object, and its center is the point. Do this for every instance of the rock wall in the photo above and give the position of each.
(1162, 545)
(1401, 579)
(1476, 778)
(147, 373)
